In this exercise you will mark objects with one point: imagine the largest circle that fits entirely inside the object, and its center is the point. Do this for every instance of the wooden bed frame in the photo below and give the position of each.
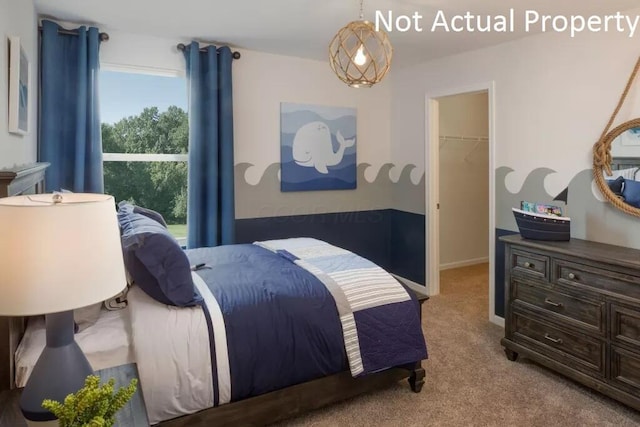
(259, 410)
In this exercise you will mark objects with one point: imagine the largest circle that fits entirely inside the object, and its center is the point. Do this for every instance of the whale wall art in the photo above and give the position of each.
(317, 147)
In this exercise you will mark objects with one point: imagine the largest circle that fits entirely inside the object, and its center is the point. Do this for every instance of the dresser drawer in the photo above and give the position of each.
(580, 312)
(572, 349)
(625, 370)
(625, 325)
(594, 280)
(529, 264)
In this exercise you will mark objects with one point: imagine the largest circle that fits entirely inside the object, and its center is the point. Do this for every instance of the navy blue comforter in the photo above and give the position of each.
(282, 324)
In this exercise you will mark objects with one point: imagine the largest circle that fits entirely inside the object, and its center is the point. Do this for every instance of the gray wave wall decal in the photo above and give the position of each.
(532, 190)
(265, 199)
(591, 219)
(406, 195)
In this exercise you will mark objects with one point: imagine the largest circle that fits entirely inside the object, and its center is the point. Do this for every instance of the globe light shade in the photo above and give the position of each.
(359, 55)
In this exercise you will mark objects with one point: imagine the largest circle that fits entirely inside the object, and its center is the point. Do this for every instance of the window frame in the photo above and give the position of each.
(146, 157)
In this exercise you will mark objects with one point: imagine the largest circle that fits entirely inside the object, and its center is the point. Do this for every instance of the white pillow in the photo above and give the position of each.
(86, 316)
(629, 173)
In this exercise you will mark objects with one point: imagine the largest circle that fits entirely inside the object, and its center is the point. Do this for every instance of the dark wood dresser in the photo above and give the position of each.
(575, 307)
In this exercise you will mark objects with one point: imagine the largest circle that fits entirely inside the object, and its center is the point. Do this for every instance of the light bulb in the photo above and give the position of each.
(360, 58)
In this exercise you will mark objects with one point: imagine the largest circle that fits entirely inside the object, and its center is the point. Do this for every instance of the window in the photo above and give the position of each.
(145, 137)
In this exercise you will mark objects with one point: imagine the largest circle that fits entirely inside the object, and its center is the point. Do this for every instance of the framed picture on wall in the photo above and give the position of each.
(317, 147)
(630, 137)
(19, 76)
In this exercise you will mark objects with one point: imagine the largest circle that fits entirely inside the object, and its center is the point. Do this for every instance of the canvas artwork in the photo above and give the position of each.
(630, 137)
(18, 88)
(317, 147)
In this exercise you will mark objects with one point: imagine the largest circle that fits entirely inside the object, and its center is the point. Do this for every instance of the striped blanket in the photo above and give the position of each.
(380, 319)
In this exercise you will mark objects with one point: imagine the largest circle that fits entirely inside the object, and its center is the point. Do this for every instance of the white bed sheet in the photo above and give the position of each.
(106, 343)
(171, 345)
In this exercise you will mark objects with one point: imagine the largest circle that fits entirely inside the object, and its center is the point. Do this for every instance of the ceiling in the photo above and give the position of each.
(304, 28)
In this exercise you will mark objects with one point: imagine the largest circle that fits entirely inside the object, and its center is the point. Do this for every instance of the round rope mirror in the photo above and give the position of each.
(616, 161)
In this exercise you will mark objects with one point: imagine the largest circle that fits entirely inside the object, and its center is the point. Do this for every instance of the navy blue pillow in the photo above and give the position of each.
(156, 216)
(155, 260)
(631, 192)
(616, 185)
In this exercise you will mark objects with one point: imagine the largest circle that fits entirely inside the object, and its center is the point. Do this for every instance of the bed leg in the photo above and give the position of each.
(416, 380)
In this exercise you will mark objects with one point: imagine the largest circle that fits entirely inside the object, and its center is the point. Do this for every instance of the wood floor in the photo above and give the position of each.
(9, 410)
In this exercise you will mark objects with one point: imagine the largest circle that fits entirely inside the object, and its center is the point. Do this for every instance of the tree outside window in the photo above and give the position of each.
(145, 154)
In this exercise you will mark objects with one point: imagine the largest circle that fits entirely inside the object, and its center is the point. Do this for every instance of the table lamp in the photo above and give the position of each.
(61, 252)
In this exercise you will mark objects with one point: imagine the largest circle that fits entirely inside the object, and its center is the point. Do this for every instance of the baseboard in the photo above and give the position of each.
(497, 320)
(465, 263)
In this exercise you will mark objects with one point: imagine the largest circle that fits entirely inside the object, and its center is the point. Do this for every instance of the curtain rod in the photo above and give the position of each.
(103, 36)
(181, 46)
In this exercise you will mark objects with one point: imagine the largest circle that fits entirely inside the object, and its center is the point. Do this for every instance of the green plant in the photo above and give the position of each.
(94, 405)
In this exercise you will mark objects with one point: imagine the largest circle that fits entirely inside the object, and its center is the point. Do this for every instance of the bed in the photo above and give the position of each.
(106, 343)
(255, 401)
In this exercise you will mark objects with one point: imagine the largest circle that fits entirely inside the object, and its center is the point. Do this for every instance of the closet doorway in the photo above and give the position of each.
(461, 191)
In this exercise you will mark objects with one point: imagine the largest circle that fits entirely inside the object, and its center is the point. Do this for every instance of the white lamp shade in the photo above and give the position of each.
(58, 256)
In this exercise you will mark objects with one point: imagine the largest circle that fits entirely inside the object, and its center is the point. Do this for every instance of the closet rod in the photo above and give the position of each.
(465, 138)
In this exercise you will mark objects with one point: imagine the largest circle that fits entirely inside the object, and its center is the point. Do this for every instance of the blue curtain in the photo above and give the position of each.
(69, 123)
(210, 208)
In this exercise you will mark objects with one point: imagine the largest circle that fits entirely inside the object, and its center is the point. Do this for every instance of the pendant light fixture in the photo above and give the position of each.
(359, 55)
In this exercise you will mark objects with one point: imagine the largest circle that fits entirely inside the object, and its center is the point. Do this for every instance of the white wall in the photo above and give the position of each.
(464, 115)
(17, 18)
(261, 81)
(554, 95)
(135, 52)
(464, 187)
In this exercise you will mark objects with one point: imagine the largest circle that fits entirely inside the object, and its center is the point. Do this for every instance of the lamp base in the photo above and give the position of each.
(61, 369)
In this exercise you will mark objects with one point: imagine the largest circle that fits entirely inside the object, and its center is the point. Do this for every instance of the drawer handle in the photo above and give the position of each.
(572, 276)
(554, 304)
(553, 340)
(529, 265)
